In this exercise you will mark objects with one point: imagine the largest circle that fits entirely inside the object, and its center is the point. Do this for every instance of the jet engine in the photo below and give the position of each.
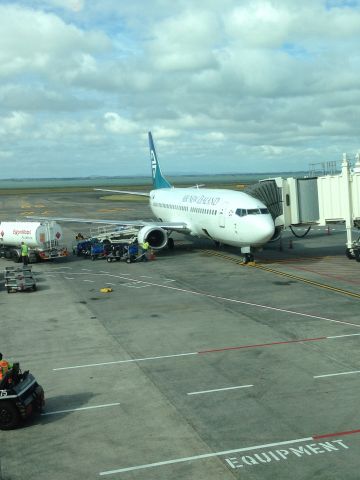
(156, 236)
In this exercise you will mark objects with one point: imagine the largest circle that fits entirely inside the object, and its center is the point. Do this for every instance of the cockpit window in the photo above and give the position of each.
(241, 212)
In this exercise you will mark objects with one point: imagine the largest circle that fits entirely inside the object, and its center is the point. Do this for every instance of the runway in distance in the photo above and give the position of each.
(223, 216)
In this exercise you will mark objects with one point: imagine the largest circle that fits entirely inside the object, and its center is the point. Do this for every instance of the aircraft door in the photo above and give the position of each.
(222, 214)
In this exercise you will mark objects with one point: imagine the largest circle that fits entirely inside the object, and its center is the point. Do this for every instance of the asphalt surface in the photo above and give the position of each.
(194, 366)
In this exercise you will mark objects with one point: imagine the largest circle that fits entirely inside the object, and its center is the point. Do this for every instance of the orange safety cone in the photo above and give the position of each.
(152, 256)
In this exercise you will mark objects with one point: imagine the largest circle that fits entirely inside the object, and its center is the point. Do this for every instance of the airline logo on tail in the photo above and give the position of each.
(159, 181)
(153, 163)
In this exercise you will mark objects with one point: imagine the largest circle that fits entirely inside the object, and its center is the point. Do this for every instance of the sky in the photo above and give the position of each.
(225, 86)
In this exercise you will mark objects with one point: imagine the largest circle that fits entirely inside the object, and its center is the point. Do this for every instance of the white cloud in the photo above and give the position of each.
(273, 80)
(6, 154)
(259, 23)
(35, 42)
(185, 42)
(213, 137)
(15, 124)
(114, 123)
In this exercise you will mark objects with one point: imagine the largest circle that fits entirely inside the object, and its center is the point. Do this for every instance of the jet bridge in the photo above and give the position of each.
(314, 200)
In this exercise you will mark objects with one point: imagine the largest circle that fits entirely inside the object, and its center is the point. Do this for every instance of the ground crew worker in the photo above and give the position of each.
(4, 367)
(145, 247)
(24, 253)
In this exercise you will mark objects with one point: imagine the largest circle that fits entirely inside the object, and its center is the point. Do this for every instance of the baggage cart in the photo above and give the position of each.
(18, 279)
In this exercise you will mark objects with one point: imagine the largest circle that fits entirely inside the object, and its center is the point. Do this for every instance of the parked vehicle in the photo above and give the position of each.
(20, 397)
(42, 238)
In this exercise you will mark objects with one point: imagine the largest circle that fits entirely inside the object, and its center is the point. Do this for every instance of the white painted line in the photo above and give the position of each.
(90, 281)
(69, 278)
(145, 276)
(230, 300)
(336, 374)
(108, 283)
(62, 268)
(205, 455)
(341, 336)
(80, 409)
(220, 389)
(101, 271)
(168, 280)
(86, 269)
(126, 361)
(131, 285)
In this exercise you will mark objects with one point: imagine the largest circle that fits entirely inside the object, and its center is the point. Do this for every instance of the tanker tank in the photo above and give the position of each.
(34, 234)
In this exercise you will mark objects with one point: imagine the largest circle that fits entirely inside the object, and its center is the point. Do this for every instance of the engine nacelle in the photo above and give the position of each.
(156, 236)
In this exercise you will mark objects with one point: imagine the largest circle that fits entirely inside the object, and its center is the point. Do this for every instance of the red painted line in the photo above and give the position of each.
(338, 434)
(263, 345)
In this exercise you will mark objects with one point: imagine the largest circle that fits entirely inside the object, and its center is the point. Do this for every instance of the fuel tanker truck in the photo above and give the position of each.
(42, 238)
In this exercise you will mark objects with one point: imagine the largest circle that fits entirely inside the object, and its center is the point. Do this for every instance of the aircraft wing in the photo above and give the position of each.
(173, 226)
(142, 194)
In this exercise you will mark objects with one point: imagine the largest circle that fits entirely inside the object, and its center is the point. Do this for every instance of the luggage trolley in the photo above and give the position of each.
(18, 279)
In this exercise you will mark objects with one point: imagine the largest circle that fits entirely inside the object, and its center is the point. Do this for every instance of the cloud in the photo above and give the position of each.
(15, 124)
(185, 42)
(114, 123)
(39, 43)
(272, 82)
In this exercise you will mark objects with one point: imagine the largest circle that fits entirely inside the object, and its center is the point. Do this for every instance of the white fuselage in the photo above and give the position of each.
(226, 216)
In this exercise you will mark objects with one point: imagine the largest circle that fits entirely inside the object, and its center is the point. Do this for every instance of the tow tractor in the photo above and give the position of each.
(20, 397)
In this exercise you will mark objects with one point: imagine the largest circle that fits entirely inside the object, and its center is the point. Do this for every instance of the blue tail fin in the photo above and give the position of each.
(158, 180)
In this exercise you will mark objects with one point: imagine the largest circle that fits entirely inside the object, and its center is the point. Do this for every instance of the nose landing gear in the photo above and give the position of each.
(248, 256)
(249, 259)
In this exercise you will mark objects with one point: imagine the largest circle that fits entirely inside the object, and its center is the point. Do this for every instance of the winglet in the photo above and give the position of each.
(159, 181)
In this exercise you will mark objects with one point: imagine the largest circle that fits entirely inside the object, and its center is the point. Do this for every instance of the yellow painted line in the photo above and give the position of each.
(287, 275)
(309, 282)
(295, 260)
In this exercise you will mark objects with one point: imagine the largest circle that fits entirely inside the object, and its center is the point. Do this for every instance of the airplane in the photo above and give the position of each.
(223, 216)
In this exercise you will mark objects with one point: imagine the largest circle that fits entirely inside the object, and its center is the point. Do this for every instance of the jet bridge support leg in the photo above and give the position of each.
(346, 181)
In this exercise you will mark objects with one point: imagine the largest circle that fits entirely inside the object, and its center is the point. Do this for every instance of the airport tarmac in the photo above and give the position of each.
(194, 366)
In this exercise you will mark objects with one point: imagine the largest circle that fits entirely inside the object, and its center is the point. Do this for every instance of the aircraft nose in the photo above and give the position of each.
(263, 230)
(267, 229)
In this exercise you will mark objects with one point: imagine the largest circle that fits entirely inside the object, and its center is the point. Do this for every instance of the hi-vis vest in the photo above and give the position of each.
(4, 367)
(24, 250)
(145, 246)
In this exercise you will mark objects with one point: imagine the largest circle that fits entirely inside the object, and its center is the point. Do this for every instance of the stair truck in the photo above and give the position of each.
(42, 238)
